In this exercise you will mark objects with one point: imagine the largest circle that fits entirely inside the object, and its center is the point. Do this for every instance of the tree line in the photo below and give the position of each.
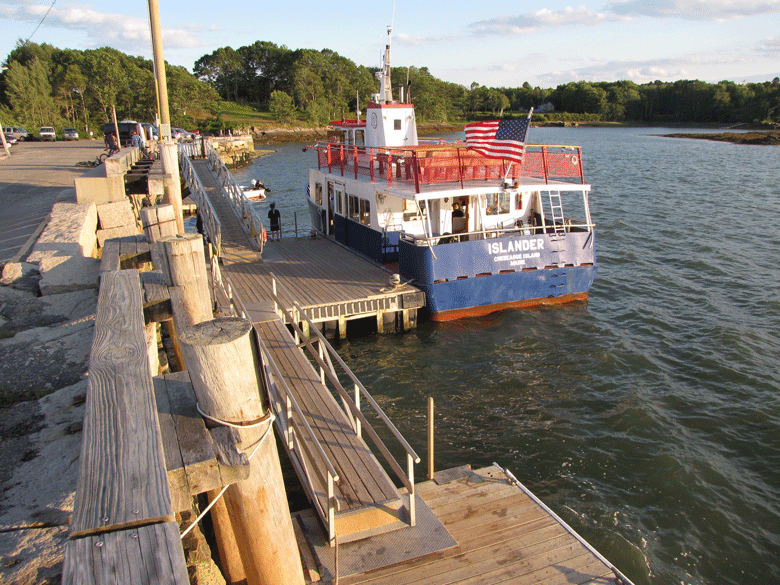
(322, 85)
(44, 85)
(47, 86)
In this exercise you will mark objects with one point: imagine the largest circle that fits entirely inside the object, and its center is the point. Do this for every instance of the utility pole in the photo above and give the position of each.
(168, 149)
(2, 134)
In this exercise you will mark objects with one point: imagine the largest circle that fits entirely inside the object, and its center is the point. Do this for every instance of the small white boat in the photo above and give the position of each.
(256, 191)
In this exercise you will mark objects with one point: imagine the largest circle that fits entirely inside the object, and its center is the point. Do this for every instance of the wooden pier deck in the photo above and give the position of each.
(331, 283)
(502, 536)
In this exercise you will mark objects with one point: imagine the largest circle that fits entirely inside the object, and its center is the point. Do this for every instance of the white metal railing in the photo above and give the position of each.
(495, 232)
(324, 355)
(205, 210)
(298, 434)
(234, 194)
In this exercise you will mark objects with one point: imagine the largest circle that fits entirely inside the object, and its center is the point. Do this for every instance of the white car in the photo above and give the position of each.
(47, 133)
(70, 134)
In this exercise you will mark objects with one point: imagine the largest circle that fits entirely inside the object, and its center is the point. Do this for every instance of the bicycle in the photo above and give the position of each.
(99, 160)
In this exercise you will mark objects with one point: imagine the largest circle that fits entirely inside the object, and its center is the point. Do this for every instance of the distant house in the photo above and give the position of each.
(545, 108)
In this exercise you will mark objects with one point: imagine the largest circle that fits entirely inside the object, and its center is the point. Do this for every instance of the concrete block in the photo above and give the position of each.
(116, 214)
(63, 274)
(70, 231)
(121, 162)
(95, 187)
(115, 232)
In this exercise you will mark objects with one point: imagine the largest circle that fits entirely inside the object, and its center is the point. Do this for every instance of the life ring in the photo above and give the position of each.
(574, 159)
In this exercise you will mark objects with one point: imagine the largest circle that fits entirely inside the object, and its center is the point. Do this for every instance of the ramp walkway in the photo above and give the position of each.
(320, 422)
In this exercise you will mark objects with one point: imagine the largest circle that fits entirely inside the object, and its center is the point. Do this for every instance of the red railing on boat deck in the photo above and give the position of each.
(445, 163)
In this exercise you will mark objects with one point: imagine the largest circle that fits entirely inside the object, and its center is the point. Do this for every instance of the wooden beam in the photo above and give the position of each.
(123, 480)
(145, 555)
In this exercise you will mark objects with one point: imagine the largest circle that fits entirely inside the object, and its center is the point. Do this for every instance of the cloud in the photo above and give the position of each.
(413, 41)
(770, 46)
(716, 10)
(544, 18)
(124, 32)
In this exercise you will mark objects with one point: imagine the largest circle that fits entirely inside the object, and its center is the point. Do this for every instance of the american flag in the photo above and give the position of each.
(498, 139)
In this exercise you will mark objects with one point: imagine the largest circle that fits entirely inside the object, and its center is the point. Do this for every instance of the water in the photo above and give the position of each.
(649, 417)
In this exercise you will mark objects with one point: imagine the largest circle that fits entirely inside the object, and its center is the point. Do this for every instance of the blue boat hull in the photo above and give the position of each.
(479, 296)
(479, 277)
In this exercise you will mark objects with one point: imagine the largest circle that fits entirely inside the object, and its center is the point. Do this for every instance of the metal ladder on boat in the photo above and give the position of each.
(556, 208)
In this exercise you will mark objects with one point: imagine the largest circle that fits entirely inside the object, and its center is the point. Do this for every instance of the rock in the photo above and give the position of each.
(21, 276)
(116, 215)
(25, 311)
(36, 362)
(38, 491)
(62, 274)
(115, 232)
(70, 231)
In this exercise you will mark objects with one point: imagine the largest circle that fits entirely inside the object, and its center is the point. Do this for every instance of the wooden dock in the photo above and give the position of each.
(501, 536)
(332, 284)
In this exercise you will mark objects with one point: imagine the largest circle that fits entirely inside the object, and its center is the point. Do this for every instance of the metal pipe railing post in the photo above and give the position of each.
(430, 437)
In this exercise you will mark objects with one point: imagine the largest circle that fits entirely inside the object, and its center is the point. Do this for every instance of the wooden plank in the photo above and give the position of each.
(110, 259)
(177, 476)
(362, 479)
(195, 442)
(146, 555)
(123, 480)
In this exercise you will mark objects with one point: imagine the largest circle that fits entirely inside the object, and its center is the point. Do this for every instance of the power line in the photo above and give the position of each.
(41, 22)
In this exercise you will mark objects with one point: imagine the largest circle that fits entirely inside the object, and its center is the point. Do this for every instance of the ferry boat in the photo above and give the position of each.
(476, 232)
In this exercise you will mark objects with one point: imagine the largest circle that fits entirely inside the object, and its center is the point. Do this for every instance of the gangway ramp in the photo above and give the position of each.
(352, 493)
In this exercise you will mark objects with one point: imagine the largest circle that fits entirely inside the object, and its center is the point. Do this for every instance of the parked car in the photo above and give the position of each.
(9, 139)
(17, 132)
(47, 133)
(70, 134)
(125, 129)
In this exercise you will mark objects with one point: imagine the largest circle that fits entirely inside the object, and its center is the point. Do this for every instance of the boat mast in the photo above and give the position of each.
(386, 90)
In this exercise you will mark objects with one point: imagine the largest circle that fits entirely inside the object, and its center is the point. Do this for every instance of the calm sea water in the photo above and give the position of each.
(648, 417)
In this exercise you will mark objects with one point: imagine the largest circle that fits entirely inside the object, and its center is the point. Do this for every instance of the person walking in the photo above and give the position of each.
(275, 221)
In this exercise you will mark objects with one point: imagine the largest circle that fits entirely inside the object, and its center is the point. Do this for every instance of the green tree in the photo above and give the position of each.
(282, 107)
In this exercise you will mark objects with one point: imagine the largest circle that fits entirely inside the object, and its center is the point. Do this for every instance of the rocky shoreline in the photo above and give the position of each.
(763, 138)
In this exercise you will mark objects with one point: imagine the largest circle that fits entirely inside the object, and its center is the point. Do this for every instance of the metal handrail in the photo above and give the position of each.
(488, 233)
(233, 193)
(198, 192)
(290, 428)
(407, 478)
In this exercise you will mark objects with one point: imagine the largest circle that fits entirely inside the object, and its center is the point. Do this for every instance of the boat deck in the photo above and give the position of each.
(501, 535)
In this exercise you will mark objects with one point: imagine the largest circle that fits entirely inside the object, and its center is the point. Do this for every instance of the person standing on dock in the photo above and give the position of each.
(275, 220)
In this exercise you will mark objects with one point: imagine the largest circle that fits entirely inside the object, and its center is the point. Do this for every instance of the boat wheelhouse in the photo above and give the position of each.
(477, 234)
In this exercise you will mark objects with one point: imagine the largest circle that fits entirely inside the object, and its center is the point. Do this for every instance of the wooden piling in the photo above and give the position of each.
(224, 372)
(158, 222)
(183, 261)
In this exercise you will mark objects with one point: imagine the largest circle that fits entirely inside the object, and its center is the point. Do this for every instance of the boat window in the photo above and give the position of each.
(318, 193)
(411, 211)
(360, 137)
(354, 208)
(498, 203)
(397, 125)
(365, 212)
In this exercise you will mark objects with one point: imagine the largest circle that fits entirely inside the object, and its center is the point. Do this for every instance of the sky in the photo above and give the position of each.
(496, 43)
